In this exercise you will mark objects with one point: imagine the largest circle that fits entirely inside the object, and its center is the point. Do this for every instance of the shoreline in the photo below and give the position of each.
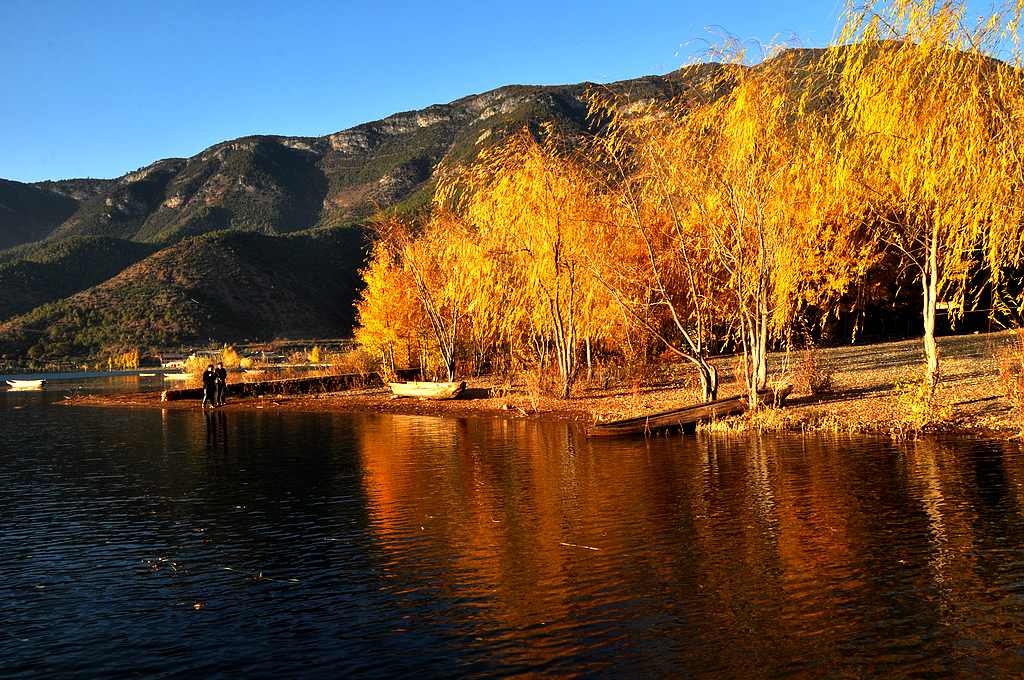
(866, 397)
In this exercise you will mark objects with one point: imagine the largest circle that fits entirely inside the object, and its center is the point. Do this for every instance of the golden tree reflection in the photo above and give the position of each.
(543, 535)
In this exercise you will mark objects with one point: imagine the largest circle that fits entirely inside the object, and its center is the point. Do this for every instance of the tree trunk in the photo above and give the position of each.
(590, 363)
(567, 365)
(761, 357)
(708, 380)
(755, 359)
(930, 285)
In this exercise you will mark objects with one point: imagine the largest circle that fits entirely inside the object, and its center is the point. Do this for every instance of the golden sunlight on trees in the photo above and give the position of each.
(390, 318)
(930, 132)
(723, 192)
(534, 209)
(654, 264)
(725, 218)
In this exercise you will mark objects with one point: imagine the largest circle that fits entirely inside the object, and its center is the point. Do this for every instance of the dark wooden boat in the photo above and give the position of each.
(428, 390)
(687, 416)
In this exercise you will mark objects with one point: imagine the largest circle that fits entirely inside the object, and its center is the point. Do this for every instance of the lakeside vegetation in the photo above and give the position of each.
(740, 216)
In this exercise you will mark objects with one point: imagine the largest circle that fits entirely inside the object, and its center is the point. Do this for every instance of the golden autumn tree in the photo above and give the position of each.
(654, 264)
(432, 254)
(739, 169)
(388, 314)
(532, 208)
(931, 131)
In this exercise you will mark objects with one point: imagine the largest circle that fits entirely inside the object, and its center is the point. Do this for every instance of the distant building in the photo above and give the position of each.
(169, 360)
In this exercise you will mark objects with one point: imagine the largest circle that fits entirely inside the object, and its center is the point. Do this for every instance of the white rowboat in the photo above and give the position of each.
(26, 384)
(428, 390)
(177, 376)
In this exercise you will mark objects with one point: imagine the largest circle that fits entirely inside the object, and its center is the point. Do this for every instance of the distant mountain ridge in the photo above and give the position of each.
(269, 185)
(277, 184)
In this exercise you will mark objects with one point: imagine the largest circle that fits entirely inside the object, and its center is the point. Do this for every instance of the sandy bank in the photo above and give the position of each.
(864, 397)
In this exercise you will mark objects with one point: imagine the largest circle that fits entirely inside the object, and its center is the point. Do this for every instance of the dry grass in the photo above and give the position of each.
(356, 361)
(1011, 374)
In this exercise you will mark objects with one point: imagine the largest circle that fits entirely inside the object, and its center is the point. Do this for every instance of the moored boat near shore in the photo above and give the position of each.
(685, 417)
(428, 390)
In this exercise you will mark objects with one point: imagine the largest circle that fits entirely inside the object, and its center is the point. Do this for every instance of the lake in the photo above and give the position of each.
(260, 544)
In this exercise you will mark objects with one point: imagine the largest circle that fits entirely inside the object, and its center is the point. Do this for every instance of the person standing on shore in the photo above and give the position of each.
(209, 386)
(220, 384)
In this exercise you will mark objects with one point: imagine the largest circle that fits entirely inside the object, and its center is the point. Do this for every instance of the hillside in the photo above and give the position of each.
(219, 286)
(276, 184)
(29, 213)
(50, 270)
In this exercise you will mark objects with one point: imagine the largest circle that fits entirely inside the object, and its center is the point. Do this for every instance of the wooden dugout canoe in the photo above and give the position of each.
(685, 417)
(428, 390)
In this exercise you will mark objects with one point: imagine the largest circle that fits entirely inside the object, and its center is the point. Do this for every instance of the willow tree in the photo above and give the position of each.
(655, 264)
(746, 166)
(389, 319)
(431, 253)
(931, 128)
(531, 206)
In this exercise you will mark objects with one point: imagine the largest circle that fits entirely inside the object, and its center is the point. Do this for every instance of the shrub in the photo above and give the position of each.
(196, 365)
(814, 373)
(920, 409)
(230, 357)
(358, 361)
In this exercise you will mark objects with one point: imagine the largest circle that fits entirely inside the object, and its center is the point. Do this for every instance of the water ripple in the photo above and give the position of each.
(134, 543)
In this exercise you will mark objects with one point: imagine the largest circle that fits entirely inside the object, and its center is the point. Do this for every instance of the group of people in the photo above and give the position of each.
(215, 385)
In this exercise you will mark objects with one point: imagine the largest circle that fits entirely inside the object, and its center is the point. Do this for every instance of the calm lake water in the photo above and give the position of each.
(260, 544)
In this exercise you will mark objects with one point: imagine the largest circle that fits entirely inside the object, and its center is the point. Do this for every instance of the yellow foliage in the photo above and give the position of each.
(123, 361)
(196, 365)
(920, 409)
(715, 220)
(230, 358)
(929, 134)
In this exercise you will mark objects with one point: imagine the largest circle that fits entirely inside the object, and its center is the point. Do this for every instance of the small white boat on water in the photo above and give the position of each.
(146, 375)
(26, 384)
(177, 376)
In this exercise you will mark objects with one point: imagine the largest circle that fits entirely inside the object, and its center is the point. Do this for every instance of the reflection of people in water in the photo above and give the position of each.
(216, 430)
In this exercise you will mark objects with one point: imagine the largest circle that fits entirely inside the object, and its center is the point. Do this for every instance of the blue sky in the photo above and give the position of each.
(96, 89)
